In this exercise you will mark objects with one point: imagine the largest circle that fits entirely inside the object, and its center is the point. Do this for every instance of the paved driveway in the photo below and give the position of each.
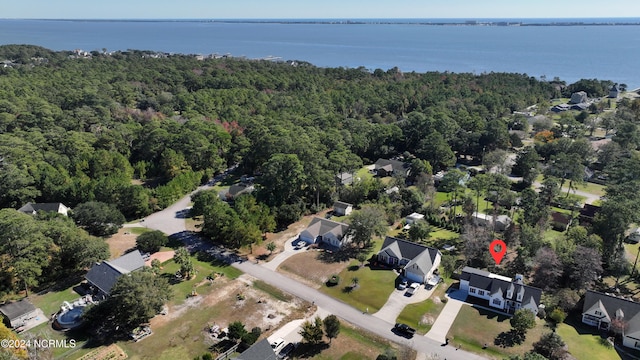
(397, 301)
(447, 316)
(289, 250)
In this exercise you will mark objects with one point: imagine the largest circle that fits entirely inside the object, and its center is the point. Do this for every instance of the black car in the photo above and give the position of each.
(286, 350)
(404, 330)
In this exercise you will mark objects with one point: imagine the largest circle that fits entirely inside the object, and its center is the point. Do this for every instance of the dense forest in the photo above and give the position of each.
(137, 130)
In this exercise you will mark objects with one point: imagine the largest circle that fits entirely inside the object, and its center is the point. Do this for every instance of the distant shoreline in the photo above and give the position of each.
(431, 22)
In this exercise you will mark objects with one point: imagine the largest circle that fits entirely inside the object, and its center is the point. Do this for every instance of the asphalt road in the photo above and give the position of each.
(366, 321)
(171, 222)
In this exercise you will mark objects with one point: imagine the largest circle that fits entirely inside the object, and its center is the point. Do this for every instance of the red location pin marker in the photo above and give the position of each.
(499, 254)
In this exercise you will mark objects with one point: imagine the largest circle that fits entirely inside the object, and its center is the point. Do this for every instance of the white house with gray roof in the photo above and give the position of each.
(341, 208)
(502, 292)
(601, 309)
(327, 231)
(104, 275)
(418, 262)
(33, 208)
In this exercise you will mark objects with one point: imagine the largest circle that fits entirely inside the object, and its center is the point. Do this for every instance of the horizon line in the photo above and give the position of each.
(331, 18)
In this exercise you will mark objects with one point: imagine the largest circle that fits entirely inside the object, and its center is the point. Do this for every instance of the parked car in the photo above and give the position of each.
(413, 288)
(277, 344)
(403, 330)
(402, 285)
(287, 350)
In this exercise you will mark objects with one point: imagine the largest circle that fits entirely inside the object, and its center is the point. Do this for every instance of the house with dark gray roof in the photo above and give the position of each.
(324, 230)
(418, 262)
(33, 208)
(104, 275)
(601, 309)
(259, 351)
(503, 293)
(385, 167)
(236, 190)
(17, 313)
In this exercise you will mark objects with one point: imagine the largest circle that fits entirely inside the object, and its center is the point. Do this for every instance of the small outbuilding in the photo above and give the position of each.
(414, 217)
(342, 208)
(17, 313)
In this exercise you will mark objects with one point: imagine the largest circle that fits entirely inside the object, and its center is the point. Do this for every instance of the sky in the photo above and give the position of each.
(305, 9)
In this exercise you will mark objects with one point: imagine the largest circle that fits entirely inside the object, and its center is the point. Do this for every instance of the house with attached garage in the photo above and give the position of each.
(17, 313)
(603, 311)
(503, 293)
(417, 262)
(102, 276)
(33, 208)
(325, 231)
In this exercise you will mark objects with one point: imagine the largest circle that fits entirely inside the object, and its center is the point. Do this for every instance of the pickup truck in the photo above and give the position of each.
(412, 289)
(404, 330)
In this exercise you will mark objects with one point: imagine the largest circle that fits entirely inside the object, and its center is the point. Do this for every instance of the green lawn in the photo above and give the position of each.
(412, 314)
(138, 230)
(583, 343)
(551, 236)
(475, 327)
(374, 287)
(183, 289)
(364, 173)
(50, 302)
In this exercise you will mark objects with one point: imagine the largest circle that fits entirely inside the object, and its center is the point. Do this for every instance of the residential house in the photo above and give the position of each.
(325, 230)
(418, 262)
(342, 208)
(560, 221)
(588, 213)
(600, 310)
(578, 97)
(614, 92)
(410, 219)
(384, 167)
(259, 351)
(33, 208)
(102, 276)
(344, 179)
(502, 222)
(502, 293)
(17, 313)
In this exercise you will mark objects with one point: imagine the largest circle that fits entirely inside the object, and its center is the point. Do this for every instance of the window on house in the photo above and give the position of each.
(481, 292)
(637, 344)
(472, 290)
(598, 313)
(497, 302)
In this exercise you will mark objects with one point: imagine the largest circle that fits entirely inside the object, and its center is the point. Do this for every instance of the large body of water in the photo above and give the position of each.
(568, 52)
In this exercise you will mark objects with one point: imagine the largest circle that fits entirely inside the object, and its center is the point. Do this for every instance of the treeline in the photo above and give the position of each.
(42, 249)
(117, 128)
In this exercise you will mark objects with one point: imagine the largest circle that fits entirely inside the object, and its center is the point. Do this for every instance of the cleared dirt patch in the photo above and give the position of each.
(120, 242)
(162, 256)
(307, 267)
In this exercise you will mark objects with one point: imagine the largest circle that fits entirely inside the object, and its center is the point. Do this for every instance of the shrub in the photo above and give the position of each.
(333, 281)
(557, 315)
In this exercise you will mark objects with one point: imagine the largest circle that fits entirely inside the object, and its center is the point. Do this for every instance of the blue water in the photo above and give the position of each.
(568, 52)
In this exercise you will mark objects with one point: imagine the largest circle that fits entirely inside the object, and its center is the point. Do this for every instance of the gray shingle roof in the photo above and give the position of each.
(16, 309)
(31, 208)
(320, 226)
(390, 165)
(105, 274)
(259, 351)
(484, 280)
(420, 257)
(341, 205)
(612, 305)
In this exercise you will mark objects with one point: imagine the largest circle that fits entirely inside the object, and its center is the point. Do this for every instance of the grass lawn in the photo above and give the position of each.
(363, 173)
(45, 332)
(138, 230)
(551, 236)
(351, 344)
(421, 316)
(583, 343)
(475, 327)
(183, 289)
(50, 302)
(375, 286)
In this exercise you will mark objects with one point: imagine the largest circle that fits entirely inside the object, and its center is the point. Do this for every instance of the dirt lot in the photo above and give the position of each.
(120, 242)
(298, 265)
